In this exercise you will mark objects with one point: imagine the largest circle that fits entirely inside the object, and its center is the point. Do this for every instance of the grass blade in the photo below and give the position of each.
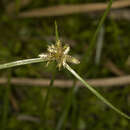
(45, 103)
(64, 116)
(6, 105)
(95, 92)
(56, 31)
(21, 62)
(88, 54)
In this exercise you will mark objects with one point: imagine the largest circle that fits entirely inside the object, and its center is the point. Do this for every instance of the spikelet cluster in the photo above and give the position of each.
(59, 53)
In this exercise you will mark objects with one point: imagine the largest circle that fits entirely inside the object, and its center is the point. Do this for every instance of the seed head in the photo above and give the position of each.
(59, 53)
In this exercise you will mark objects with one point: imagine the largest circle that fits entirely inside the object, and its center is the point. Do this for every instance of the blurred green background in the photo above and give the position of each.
(52, 108)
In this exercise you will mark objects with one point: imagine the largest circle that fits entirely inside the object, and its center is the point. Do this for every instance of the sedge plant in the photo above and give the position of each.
(59, 53)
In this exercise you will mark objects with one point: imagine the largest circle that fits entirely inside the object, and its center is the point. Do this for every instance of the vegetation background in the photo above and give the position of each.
(35, 107)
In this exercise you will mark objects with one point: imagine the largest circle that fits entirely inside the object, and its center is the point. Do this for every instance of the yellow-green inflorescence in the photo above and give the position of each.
(59, 53)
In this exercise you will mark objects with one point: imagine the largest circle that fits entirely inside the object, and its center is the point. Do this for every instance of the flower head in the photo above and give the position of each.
(59, 53)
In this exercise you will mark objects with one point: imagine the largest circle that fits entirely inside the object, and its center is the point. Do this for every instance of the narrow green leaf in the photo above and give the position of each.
(68, 104)
(96, 93)
(56, 31)
(21, 62)
(90, 50)
(6, 105)
(46, 100)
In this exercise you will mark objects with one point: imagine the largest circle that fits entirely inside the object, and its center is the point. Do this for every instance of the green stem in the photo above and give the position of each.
(95, 92)
(56, 32)
(100, 24)
(6, 104)
(75, 107)
(89, 51)
(21, 62)
(45, 103)
(68, 104)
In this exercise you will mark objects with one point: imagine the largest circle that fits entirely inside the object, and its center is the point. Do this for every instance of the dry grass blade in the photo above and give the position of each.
(113, 68)
(12, 6)
(71, 9)
(29, 118)
(120, 14)
(100, 82)
(14, 102)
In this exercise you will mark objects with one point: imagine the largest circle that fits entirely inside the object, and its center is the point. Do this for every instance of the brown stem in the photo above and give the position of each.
(72, 9)
(100, 82)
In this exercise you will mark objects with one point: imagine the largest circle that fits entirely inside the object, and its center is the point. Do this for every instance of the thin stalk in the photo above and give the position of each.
(95, 92)
(21, 62)
(46, 99)
(89, 51)
(75, 108)
(56, 31)
(45, 103)
(6, 104)
(100, 24)
(68, 104)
